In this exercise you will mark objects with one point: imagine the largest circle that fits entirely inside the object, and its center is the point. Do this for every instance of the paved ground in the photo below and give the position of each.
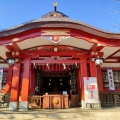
(112, 113)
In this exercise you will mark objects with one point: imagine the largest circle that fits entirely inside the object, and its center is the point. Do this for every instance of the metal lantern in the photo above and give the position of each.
(99, 61)
(11, 61)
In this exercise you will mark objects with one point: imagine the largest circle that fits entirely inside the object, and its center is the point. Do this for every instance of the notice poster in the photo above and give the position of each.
(1, 77)
(110, 79)
(91, 90)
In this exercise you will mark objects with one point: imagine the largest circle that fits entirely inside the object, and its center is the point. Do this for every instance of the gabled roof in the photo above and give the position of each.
(58, 19)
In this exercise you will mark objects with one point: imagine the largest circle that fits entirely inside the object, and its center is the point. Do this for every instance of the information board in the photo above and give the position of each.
(91, 90)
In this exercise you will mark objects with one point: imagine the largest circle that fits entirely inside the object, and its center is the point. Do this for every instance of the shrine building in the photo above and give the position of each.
(64, 62)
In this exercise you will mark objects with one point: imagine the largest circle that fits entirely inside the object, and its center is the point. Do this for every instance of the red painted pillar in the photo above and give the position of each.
(14, 98)
(93, 72)
(83, 66)
(9, 79)
(93, 69)
(32, 81)
(100, 79)
(25, 85)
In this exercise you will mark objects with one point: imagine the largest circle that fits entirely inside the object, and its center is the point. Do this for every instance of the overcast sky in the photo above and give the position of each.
(103, 14)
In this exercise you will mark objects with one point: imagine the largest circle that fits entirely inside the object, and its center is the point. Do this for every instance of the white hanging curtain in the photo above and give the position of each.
(110, 79)
(1, 77)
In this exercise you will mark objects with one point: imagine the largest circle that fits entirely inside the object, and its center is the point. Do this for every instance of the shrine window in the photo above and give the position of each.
(4, 80)
(116, 78)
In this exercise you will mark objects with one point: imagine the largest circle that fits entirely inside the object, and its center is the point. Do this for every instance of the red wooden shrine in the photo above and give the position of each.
(50, 52)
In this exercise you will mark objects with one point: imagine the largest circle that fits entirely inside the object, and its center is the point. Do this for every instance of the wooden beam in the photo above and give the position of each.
(9, 48)
(57, 53)
(55, 61)
(115, 57)
(96, 47)
(111, 61)
(15, 47)
(109, 57)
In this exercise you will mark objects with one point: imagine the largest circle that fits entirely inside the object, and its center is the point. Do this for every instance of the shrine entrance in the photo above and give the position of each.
(57, 80)
(55, 85)
(52, 82)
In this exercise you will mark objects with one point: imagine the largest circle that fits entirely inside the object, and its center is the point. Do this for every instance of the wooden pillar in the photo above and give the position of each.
(9, 79)
(83, 66)
(93, 72)
(14, 97)
(32, 81)
(25, 85)
(100, 79)
(93, 69)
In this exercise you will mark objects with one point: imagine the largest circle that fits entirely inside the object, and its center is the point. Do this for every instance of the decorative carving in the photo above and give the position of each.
(94, 40)
(55, 32)
(54, 14)
(56, 39)
(55, 101)
(15, 39)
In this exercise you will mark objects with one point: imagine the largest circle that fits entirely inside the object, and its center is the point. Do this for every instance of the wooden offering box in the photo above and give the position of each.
(55, 101)
(75, 100)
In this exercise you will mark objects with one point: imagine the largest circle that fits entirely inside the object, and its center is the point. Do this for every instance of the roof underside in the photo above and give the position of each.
(110, 55)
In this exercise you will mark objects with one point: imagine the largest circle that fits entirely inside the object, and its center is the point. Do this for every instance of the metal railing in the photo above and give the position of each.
(4, 100)
(117, 99)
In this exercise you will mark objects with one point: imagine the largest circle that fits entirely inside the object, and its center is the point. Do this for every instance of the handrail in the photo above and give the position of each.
(3, 99)
(38, 101)
(116, 98)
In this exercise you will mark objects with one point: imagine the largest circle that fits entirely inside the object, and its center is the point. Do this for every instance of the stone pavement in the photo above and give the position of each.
(112, 113)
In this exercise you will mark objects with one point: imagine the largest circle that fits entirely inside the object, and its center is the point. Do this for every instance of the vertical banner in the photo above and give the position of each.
(91, 90)
(110, 79)
(1, 77)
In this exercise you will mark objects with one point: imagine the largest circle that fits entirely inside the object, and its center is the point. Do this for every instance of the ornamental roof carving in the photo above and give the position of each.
(54, 14)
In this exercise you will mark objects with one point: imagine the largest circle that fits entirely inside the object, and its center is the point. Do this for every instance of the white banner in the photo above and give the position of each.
(91, 90)
(110, 79)
(1, 77)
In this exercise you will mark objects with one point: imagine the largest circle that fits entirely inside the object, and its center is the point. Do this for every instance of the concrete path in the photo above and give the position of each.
(61, 114)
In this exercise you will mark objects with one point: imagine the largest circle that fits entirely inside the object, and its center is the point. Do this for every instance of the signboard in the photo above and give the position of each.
(110, 79)
(64, 92)
(91, 90)
(1, 77)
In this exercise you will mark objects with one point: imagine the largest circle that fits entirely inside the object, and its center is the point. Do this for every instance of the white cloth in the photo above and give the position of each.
(1, 77)
(110, 79)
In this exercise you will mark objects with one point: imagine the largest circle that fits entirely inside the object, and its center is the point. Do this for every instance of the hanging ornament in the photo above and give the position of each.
(76, 65)
(64, 66)
(47, 66)
(34, 65)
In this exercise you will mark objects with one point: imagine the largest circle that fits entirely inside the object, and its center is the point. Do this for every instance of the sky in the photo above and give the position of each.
(103, 14)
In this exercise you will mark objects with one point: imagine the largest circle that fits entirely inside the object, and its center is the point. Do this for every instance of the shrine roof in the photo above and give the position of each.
(58, 19)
